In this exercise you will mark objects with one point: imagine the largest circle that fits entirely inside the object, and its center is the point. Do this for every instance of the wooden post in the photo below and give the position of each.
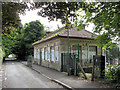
(82, 70)
(75, 67)
(68, 55)
(93, 69)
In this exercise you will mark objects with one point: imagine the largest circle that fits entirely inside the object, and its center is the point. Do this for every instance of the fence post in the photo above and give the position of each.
(93, 69)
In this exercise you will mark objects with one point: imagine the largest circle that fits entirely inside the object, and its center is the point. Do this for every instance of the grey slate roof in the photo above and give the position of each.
(73, 33)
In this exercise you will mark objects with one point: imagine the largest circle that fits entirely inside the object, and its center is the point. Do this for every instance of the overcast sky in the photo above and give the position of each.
(52, 25)
(32, 16)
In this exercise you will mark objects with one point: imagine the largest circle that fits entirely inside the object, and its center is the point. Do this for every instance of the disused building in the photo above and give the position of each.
(51, 51)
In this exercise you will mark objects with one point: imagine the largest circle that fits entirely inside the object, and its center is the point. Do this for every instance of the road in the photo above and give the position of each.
(18, 75)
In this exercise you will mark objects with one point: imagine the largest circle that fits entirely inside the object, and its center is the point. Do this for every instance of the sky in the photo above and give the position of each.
(49, 26)
(32, 16)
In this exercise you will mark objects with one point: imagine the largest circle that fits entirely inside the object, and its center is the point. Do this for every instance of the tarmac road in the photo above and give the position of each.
(18, 75)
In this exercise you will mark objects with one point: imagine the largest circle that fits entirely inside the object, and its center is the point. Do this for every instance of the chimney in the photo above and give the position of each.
(48, 32)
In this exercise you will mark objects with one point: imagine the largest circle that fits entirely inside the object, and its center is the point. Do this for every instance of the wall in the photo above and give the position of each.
(51, 50)
(60, 46)
(85, 54)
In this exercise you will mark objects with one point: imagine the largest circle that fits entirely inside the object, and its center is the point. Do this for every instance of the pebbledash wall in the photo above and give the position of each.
(48, 53)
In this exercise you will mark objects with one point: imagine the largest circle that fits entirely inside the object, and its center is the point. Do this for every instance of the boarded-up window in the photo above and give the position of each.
(92, 51)
(46, 53)
(56, 53)
(38, 55)
(52, 53)
(43, 54)
(84, 54)
(34, 53)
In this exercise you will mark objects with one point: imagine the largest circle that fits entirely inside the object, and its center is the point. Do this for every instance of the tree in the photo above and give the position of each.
(18, 47)
(34, 31)
(20, 41)
(112, 54)
(57, 10)
(10, 15)
(12, 43)
(105, 15)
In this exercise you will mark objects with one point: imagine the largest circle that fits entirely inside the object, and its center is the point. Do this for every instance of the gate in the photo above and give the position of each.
(71, 62)
(74, 57)
(63, 62)
(98, 66)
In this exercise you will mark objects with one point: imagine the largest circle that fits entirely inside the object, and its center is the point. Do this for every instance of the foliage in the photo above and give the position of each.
(6, 44)
(57, 10)
(10, 15)
(112, 73)
(19, 42)
(12, 43)
(2, 54)
(34, 31)
(105, 41)
(29, 58)
(112, 54)
(105, 15)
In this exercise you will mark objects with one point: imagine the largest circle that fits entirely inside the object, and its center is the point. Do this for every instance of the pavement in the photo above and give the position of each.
(66, 81)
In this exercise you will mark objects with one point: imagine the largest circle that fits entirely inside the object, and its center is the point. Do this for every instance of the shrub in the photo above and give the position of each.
(30, 58)
(112, 73)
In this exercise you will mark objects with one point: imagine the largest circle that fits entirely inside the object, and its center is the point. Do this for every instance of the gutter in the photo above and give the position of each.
(59, 36)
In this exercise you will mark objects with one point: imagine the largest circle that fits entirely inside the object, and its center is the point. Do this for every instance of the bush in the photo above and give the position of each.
(30, 58)
(112, 73)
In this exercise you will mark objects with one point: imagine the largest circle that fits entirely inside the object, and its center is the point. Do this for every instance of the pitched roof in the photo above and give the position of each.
(73, 33)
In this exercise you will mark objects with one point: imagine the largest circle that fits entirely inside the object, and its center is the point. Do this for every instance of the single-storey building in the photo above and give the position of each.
(51, 51)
